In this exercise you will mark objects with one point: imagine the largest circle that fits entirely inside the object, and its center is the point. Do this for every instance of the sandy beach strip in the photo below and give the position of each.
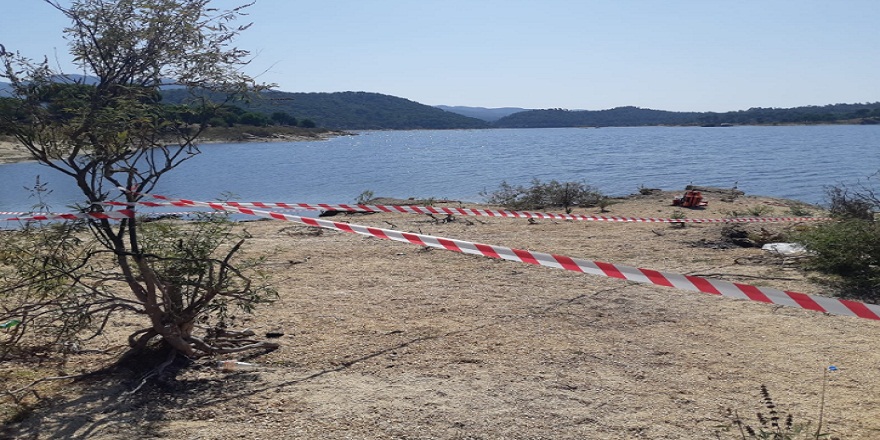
(12, 152)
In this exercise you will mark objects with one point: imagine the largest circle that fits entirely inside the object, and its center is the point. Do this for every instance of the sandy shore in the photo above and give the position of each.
(386, 340)
(11, 152)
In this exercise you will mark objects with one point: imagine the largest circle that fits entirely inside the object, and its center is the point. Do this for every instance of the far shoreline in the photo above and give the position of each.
(13, 152)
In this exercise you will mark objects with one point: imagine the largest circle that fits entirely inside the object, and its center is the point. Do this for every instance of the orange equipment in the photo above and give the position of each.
(690, 199)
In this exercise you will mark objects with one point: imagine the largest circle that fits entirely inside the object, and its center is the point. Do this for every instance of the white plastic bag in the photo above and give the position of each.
(785, 249)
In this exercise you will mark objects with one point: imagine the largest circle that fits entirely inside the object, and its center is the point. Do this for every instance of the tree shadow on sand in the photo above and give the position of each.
(106, 405)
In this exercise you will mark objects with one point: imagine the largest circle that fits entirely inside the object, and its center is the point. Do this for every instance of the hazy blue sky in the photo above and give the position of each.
(700, 55)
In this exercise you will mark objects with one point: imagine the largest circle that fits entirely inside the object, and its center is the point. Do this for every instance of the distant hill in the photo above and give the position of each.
(621, 116)
(868, 113)
(352, 110)
(486, 114)
(375, 111)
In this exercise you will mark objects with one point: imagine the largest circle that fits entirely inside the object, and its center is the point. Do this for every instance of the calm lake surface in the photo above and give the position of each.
(793, 162)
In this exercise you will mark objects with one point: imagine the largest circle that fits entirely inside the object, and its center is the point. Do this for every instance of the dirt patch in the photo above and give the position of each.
(385, 340)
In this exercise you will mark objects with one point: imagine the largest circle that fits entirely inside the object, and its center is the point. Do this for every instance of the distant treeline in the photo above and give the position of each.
(351, 110)
(228, 115)
(868, 113)
(374, 111)
(58, 98)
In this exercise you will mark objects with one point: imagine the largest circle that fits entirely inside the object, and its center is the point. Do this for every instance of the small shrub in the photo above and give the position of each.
(773, 424)
(542, 195)
(798, 210)
(760, 211)
(754, 211)
(605, 202)
(735, 214)
(846, 205)
(678, 214)
(848, 249)
(506, 195)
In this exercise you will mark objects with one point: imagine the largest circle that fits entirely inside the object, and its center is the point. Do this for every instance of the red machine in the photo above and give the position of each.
(690, 199)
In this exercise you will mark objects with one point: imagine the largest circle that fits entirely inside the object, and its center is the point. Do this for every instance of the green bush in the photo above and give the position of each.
(849, 250)
(542, 195)
(799, 210)
(760, 211)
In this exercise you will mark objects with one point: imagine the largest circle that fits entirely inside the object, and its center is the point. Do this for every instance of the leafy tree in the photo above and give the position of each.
(283, 118)
(63, 280)
(251, 118)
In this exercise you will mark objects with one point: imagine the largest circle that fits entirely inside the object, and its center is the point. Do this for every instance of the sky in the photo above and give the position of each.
(677, 55)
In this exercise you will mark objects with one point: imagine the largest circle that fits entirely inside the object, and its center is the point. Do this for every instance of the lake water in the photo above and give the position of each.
(793, 162)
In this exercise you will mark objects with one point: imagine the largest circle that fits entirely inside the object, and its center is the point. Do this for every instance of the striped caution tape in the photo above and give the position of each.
(412, 209)
(27, 213)
(148, 204)
(685, 282)
(108, 215)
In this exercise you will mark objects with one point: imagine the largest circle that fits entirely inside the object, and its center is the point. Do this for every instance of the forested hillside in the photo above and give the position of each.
(352, 110)
(868, 113)
(621, 116)
(375, 111)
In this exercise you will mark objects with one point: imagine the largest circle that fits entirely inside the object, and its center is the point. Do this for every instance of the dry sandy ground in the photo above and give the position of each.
(385, 340)
(11, 152)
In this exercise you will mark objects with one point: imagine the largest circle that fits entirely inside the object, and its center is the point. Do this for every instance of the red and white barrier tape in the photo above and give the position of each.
(477, 212)
(685, 282)
(108, 215)
(148, 204)
(27, 213)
